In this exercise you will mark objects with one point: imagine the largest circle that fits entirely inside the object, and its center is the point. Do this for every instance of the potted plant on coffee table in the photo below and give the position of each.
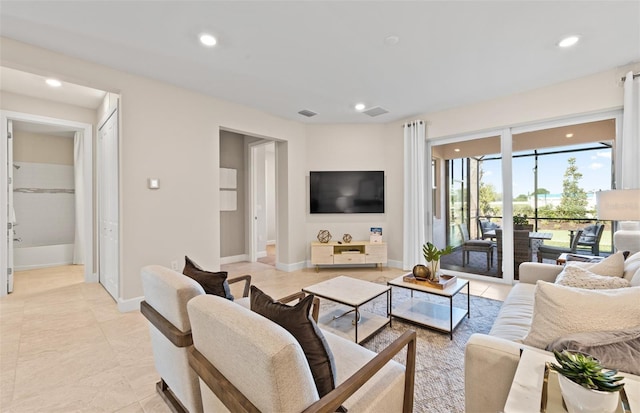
(432, 255)
(585, 385)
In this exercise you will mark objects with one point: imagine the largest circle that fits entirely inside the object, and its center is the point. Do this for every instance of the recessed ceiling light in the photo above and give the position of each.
(569, 135)
(53, 82)
(391, 40)
(360, 106)
(208, 40)
(456, 150)
(568, 41)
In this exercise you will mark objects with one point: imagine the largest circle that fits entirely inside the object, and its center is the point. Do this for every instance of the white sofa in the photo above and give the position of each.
(491, 359)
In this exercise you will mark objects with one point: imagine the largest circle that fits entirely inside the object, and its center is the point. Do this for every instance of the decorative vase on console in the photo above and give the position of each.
(432, 255)
(324, 236)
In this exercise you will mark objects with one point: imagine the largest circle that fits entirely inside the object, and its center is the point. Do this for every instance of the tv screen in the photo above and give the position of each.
(346, 192)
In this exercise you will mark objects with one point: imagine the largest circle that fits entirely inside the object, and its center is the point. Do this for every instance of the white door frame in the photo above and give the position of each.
(87, 129)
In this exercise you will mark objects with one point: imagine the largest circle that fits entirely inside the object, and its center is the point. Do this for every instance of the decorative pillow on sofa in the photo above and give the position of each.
(559, 310)
(615, 349)
(214, 283)
(578, 277)
(296, 320)
(612, 266)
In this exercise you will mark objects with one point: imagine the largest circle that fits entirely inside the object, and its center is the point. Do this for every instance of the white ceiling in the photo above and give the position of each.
(29, 84)
(282, 57)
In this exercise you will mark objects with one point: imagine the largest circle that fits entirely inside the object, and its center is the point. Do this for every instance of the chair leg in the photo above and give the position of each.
(167, 395)
(488, 259)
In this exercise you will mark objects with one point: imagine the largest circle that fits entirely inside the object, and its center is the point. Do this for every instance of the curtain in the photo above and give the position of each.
(78, 167)
(414, 193)
(631, 134)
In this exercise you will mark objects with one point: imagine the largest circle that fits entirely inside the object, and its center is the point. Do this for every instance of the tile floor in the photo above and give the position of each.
(64, 346)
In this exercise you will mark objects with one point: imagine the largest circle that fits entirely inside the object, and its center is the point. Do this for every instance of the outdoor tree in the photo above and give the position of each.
(521, 198)
(573, 203)
(486, 196)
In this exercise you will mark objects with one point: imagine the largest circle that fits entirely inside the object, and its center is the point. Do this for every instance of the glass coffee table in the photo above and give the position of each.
(347, 319)
(427, 313)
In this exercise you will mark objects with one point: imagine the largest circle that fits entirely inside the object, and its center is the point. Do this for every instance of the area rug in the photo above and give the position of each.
(439, 380)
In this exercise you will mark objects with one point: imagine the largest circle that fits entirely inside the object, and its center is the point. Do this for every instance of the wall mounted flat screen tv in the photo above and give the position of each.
(346, 192)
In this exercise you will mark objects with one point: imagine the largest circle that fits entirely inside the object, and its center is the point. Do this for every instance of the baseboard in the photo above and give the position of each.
(38, 266)
(132, 304)
(390, 264)
(234, 258)
(91, 278)
(290, 267)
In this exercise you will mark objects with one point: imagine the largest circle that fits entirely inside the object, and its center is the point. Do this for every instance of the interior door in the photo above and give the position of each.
(10, 211)
(108, 214)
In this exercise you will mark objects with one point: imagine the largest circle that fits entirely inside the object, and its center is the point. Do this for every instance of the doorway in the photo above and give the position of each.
(46, 228)
(263, 201)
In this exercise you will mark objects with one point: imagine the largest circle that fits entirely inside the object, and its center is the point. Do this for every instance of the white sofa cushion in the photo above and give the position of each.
(560, 310)
(515, 314)
(578, 277)
(612, 266)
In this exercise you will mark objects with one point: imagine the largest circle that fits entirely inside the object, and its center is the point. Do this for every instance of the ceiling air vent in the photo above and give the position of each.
(376, 111)
(308, 113)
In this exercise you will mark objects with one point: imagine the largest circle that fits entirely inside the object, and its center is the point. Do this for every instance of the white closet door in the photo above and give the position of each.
(108, 206)
(11, 218)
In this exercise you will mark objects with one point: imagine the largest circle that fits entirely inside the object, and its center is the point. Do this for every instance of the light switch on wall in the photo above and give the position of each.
(153, 183)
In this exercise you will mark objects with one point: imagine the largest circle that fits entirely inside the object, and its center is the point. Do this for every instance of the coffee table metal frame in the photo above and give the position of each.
(353, 293)
(430, 314)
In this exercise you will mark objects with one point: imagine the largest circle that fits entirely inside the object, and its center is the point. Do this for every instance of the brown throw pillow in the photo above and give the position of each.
(296, 320)
(214, 283)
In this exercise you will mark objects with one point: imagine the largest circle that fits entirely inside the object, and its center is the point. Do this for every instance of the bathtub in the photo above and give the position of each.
(29, 258)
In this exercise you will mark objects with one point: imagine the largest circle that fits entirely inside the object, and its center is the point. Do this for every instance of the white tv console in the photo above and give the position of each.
(354, 252)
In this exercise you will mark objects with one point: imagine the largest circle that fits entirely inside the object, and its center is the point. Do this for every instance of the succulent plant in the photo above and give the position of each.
(586, 371)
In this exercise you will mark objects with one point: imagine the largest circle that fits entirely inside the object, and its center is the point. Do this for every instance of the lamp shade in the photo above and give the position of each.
(618, 205)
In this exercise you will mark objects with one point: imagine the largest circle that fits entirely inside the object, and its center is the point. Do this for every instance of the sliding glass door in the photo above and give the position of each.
(552, 172)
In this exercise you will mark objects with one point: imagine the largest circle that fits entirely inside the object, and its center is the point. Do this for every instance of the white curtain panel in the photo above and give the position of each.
(414, 193)
(631, 134)
(78, 167)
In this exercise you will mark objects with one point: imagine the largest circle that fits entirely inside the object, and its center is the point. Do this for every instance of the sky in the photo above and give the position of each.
(594, 165)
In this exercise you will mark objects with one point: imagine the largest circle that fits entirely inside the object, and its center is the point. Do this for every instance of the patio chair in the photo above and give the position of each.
(477, 245)
(485, 225)
(521, 250)
(590, 238)
(552, 253)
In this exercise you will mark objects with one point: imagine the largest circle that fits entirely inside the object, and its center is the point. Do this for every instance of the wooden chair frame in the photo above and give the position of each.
(178, 339)
(185, 339)
(235, 401)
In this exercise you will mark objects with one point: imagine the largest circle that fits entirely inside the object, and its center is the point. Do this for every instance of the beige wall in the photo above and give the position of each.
(595, 93)
(40, 148)
(173, 134)
(357, 147)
